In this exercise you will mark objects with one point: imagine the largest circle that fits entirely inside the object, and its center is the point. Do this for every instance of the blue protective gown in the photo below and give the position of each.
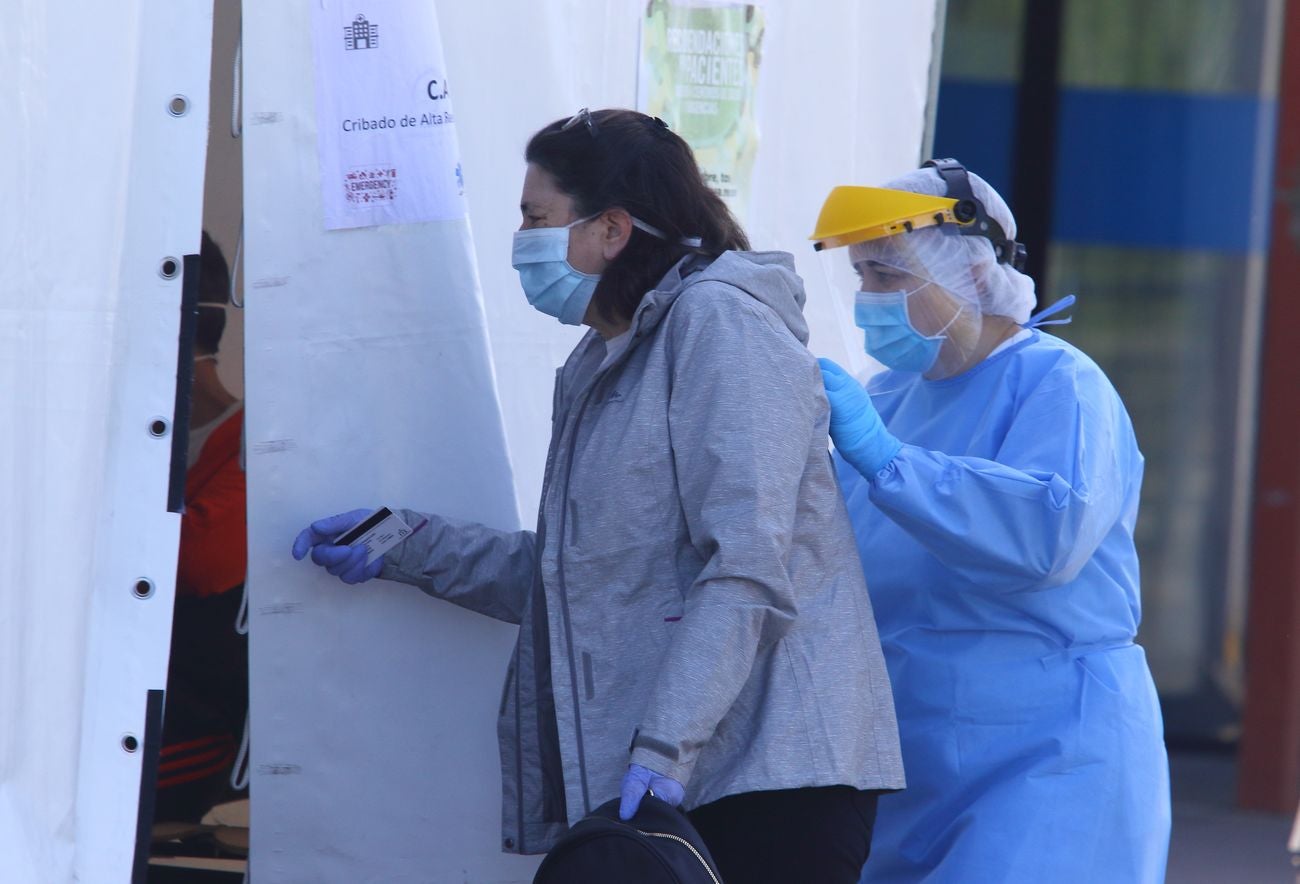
(998, 550)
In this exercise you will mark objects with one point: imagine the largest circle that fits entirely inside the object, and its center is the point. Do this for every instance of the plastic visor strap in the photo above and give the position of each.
(1041, 318)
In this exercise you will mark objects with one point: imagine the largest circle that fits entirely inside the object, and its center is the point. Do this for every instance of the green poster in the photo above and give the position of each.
(699, 70)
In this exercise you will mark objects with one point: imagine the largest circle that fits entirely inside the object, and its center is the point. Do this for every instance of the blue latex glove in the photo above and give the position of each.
(347, 563)
(856, 428)
(637, 781)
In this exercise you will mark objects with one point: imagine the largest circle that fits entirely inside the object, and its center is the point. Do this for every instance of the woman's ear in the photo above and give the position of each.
(615, 231)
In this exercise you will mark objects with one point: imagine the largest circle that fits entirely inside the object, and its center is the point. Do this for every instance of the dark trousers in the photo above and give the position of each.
(820, 835)
(207, 702)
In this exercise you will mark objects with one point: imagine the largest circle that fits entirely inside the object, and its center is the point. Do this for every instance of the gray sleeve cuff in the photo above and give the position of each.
(662, 757)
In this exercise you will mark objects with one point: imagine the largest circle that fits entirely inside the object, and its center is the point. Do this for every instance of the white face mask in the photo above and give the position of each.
(551, 284)
(891, 338)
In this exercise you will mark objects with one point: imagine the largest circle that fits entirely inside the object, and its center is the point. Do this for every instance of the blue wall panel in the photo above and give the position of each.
(1139, 169)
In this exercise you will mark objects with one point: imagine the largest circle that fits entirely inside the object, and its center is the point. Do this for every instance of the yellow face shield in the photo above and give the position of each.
(857, 214)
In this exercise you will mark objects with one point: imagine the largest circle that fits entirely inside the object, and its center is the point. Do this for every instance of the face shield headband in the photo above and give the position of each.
(973, 219)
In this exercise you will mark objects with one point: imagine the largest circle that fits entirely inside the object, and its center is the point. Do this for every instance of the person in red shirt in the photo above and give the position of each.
(207, 678)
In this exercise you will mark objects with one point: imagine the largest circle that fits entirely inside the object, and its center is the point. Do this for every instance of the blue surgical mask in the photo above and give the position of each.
(541, 255)
(891, 338)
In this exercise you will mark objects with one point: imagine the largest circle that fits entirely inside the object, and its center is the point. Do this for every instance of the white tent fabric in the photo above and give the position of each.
(370, 382)
(103, 184)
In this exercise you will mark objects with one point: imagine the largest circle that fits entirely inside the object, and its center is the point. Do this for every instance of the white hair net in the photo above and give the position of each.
(965, 265)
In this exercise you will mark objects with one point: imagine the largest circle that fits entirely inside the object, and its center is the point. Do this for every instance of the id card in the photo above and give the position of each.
(378, 533)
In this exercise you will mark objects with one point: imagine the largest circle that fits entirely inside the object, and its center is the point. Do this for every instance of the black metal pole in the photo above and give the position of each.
(1033, 157)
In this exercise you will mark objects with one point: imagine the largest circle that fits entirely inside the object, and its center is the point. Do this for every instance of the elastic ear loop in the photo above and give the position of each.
(964, 353)
(941, 332)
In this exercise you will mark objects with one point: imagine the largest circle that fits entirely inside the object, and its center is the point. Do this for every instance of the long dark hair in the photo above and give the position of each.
(624, 159)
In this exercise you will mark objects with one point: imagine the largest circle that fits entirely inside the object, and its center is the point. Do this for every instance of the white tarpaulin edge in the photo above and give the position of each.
(107, 128)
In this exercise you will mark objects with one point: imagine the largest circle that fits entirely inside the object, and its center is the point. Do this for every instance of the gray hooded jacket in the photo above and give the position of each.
(692, 600)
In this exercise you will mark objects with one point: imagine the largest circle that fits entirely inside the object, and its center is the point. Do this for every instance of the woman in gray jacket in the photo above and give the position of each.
(693, 615)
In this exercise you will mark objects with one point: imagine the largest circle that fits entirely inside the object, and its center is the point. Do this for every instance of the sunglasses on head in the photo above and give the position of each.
(583, 116)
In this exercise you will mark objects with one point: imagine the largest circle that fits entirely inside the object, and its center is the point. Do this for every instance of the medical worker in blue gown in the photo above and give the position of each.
(992, 476)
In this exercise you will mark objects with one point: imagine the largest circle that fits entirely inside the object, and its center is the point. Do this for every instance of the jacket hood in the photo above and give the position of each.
(767, 277)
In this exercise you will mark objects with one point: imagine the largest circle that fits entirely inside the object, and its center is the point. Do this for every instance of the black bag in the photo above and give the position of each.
(657, 846)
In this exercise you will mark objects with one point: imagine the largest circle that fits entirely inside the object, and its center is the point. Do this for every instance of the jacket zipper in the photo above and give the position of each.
(564, 598)
(585, 395)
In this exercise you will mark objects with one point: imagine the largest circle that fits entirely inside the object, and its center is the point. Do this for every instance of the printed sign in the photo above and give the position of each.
(385, 130)
(699, 70)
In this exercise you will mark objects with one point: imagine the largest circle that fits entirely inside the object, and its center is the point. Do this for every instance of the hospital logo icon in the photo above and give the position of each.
(361, 34)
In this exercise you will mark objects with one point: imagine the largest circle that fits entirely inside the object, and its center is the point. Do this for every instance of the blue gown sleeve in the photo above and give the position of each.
(1032, 516)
